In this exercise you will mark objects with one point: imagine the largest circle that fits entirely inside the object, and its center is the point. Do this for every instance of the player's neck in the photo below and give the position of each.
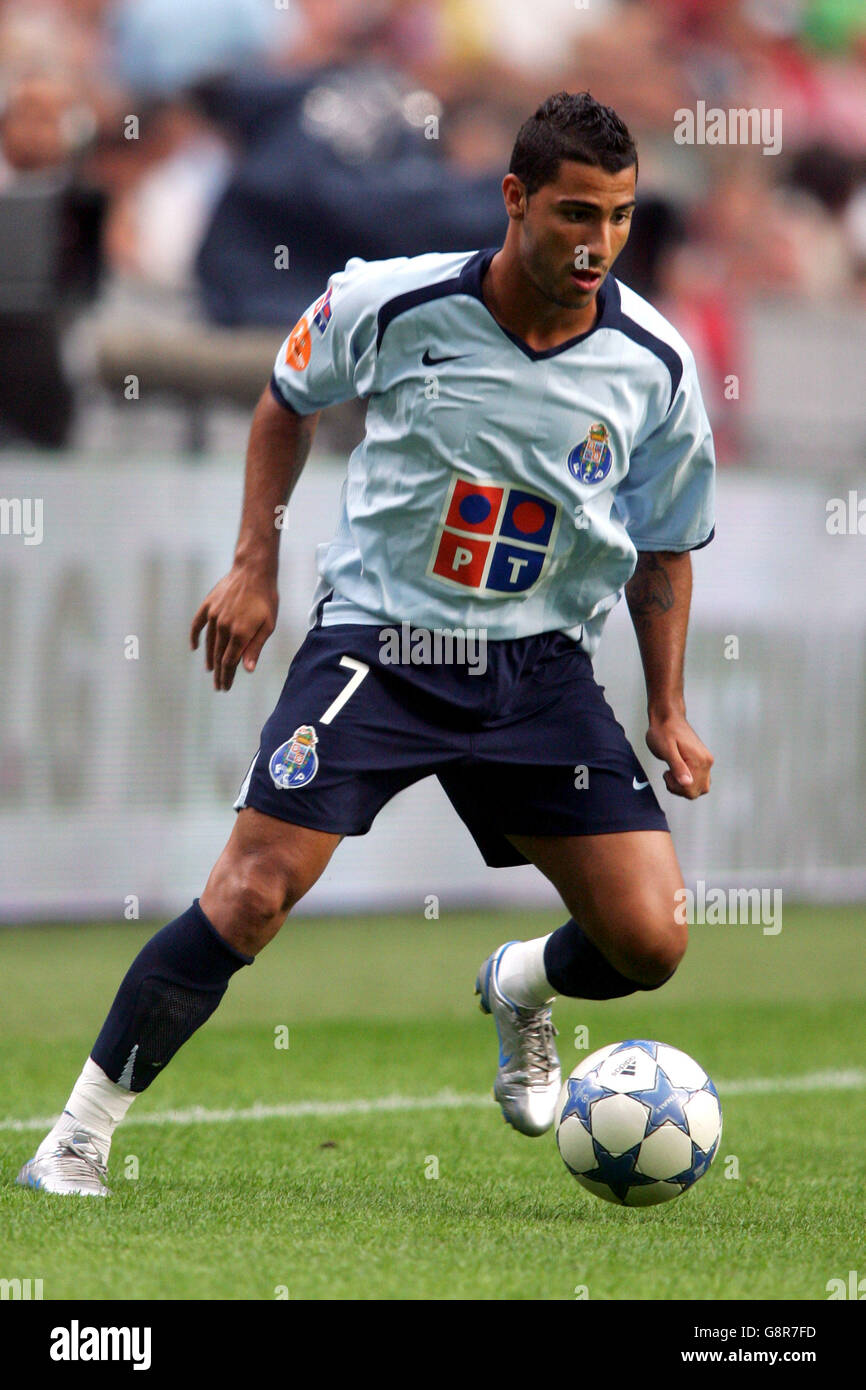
(518, 305)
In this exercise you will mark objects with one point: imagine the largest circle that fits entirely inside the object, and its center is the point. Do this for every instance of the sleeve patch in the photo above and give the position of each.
(298, 346)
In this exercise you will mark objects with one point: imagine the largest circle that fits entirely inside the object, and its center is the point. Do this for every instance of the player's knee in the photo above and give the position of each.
(659, 954)
(266, 886)
(252, 896)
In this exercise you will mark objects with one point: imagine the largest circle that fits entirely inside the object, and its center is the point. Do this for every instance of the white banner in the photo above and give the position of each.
(119, 762)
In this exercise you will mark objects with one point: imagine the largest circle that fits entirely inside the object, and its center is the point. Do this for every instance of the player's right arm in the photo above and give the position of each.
(240, 612)
(329, 356)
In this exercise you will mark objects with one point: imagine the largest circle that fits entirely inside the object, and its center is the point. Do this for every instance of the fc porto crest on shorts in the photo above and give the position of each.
(495, 540)
(296, 762)
(590, 460)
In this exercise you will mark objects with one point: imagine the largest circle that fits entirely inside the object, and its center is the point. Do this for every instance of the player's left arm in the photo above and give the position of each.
(666, 503)
(659, 597)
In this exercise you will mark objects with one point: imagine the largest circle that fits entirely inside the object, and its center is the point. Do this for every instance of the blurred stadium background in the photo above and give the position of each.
(159, 162)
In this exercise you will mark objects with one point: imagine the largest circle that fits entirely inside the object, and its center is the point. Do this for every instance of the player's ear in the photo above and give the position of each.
(515, 195)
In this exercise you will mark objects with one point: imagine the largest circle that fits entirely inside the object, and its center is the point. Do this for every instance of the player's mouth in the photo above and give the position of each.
(587, 280)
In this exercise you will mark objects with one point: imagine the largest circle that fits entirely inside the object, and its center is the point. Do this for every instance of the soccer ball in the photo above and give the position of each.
(638, 1123)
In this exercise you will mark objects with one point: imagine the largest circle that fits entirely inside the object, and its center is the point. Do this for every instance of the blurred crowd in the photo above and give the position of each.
(218, 159)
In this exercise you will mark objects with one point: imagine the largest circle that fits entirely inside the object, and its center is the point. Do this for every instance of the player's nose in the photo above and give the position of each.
(600, 245)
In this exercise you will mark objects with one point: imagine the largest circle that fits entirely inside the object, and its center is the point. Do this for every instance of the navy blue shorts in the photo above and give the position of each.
(529, 747)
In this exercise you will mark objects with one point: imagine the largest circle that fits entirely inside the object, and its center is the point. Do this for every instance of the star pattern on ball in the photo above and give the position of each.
(582, 1095)
(665, 1103)
(618, 1172)
(700, 1163)
(650, 1048)
(629, 1089)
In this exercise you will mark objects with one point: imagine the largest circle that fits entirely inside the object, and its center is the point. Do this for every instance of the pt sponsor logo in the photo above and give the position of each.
(322, 312)
(493, 539)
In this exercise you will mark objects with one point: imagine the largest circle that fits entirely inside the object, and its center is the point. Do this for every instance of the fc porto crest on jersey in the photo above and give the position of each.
(493, 539)
(590, 460)
(296, 762)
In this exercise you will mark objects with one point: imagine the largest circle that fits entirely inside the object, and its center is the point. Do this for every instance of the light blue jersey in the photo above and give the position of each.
(498, 488)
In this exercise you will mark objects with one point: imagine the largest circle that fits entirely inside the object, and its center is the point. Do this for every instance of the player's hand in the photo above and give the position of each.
(674, 741)
(240, 614)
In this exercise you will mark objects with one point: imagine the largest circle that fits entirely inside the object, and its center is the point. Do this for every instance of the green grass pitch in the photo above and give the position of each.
(345, 1205)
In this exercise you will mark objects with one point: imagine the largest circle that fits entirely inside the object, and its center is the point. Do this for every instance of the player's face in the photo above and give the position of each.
(572, 230)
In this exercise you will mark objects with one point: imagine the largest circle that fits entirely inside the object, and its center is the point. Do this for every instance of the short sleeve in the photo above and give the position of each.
(667, 499)
(330, 354)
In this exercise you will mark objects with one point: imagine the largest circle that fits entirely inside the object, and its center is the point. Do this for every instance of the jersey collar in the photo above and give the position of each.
(608, 299)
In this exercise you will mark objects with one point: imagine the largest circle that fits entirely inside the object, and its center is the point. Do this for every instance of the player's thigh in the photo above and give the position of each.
(622, 889)
(267, 865)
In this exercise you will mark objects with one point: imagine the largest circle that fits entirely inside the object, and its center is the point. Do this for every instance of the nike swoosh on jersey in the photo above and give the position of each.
(429, 361)
(638, 786)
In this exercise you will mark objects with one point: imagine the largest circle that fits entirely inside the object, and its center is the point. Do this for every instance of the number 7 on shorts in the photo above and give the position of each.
(361, 669)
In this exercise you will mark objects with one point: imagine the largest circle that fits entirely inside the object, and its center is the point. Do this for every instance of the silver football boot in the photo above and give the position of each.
(73, 1163)
(529, 1079)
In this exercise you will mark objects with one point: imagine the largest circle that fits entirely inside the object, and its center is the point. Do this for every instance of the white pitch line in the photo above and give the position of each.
(850, 1080)
(292, 1110)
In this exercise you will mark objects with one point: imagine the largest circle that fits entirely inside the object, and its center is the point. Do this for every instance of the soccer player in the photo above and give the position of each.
(535, 444)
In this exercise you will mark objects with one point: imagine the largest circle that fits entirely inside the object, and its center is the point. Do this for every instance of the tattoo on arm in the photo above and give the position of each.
(649, 590)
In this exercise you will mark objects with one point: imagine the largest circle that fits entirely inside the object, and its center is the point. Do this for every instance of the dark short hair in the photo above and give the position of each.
(570, 125)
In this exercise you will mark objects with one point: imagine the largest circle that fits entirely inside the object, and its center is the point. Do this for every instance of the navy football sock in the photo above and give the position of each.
(576, 967)
(172, 987)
